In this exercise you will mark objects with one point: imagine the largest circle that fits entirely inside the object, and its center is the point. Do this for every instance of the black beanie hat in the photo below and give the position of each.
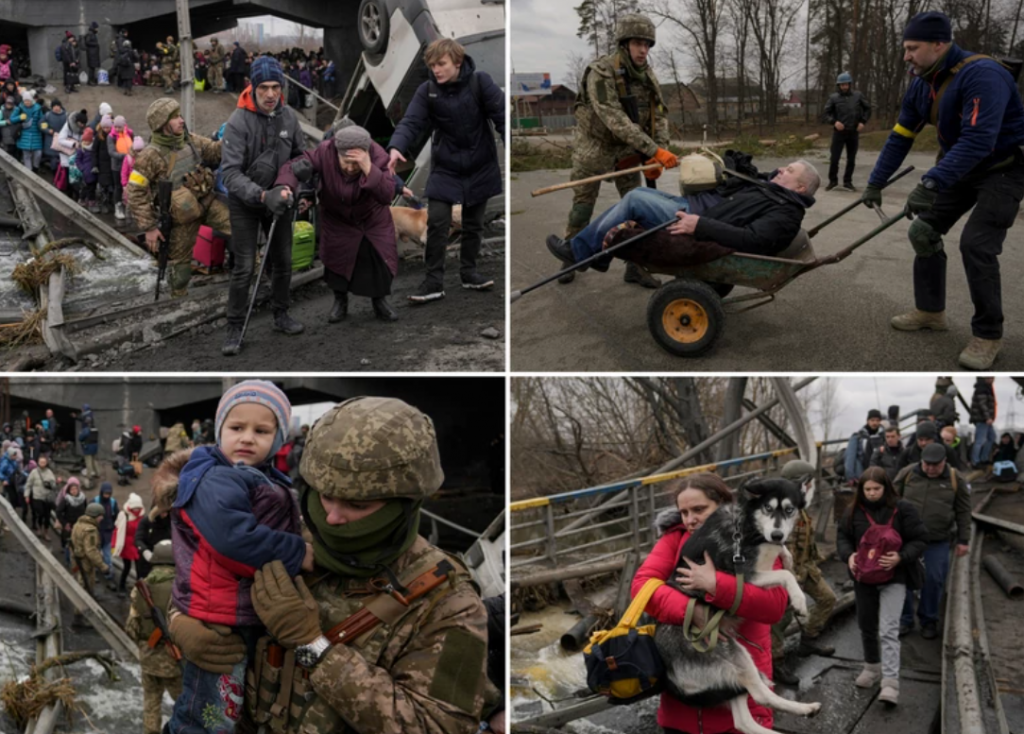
(927, 429)
(930, 26)
(874, 413)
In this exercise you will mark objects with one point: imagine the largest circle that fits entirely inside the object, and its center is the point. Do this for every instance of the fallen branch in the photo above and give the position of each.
(26, 331)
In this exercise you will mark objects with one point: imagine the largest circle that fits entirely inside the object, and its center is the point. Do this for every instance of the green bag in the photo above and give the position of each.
(303, 245)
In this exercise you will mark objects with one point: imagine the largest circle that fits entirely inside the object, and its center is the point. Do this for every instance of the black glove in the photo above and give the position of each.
(275, 203)
(921, 199)
(872, 196)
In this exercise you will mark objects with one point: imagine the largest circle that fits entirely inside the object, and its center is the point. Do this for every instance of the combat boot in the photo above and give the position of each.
(232, 342)
(979, 354)
(636, 274)
(782, 674)
(916, 320)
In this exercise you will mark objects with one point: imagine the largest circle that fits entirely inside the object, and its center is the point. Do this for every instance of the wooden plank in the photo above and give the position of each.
(97, 229)
(122, 645)
(54, 321)
(48, 646)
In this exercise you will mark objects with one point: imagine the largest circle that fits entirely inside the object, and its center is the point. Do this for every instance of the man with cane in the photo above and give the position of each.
(620, 124)
(262, 134)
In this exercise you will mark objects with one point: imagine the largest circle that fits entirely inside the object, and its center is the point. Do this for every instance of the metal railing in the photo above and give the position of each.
(643, 499)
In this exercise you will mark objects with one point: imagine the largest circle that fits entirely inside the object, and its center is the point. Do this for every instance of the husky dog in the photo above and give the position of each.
(755, 529)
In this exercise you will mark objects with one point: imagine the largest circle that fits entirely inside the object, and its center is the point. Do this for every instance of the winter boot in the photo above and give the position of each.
(232, 342)
(383, 311)
(782, 674)
(870, 676)
(339, 310)
(890, 691)
(119, 210)
(284, 322)
(636, 274)
(979, 354)
(916, 320)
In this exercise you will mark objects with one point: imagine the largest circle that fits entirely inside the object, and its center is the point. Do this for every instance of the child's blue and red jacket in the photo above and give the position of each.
(226, 522)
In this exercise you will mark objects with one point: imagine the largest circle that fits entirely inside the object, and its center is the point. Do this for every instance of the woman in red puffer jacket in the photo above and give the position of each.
(696, 498)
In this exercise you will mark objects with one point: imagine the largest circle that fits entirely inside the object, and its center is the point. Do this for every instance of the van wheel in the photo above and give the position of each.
(373, 26)
(685, 317)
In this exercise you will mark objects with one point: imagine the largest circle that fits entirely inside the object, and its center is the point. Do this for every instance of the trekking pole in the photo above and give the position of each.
(516, 295)
(259, 276)
(855, 204)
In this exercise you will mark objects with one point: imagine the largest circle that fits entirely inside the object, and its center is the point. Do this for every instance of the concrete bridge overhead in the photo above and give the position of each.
(40, 26)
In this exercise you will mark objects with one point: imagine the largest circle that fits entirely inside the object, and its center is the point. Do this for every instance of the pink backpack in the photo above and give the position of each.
(875, 543)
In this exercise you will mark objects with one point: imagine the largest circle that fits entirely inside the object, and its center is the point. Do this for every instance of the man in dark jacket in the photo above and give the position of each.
(455, 105)
(262, 135)
(927, 433)
(107, 522)
(983, 416)
(154, 527)
(979, 119)
(862, 445)
(70, 60)
(746, 217)
(92, 51)
(236, 72)
(890, 454)
(847, 112)
(89, 437)
(943, 498)
(943, 402)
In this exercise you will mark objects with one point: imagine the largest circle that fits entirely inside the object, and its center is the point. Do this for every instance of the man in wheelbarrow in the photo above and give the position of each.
(760, 217)
(974, 103)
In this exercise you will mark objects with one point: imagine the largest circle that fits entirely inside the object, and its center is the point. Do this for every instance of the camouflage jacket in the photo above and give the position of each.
(152, 165)
(601, 116)
(802, 546)
(216, 54)
(424, 674)
(169, 54)
(85, 544)
(155, 660)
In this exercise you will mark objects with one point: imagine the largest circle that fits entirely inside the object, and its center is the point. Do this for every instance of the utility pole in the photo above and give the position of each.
(188, 90)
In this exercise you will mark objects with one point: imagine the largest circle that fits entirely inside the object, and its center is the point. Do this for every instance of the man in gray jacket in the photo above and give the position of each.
(261, 136)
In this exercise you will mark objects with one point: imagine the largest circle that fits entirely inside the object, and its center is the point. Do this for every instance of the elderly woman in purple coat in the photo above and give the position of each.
(357, 234)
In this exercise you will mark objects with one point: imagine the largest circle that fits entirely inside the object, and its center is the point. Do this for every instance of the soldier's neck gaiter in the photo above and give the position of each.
(363, 547)
(174, 142)
(636, 73)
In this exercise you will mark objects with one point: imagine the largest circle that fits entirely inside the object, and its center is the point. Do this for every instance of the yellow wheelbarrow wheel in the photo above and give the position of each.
(685, 317)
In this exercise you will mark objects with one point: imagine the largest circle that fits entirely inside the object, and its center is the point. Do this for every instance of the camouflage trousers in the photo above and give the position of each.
(183, 240)
(167, 75)
(816, 587)
(590, 158)
(153, 687)
(215, 77)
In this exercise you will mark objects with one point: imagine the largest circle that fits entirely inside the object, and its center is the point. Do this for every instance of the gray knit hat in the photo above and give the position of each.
(352, 136)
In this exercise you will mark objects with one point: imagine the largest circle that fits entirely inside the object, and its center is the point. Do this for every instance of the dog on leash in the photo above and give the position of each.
(755, 529)
(411, 224)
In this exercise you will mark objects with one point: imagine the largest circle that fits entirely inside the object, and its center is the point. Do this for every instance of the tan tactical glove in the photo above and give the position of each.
(285, 607)
(212, 647)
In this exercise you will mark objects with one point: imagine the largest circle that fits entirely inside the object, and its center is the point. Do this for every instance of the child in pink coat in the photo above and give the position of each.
(126, 170)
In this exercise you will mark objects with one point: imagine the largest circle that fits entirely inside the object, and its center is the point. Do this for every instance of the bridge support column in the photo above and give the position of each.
(41, 43)
(342, 45)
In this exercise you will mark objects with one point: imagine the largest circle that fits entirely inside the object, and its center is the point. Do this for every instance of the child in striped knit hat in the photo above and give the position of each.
(234, 513)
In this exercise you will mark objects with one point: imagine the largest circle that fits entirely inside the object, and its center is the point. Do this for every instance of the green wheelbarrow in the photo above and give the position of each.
(686, 316)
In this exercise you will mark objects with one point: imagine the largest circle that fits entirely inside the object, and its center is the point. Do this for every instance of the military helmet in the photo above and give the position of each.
(844, 78)
(94, 510)
(161, 112)
(370, 448)
(170, 39)
(163, 554)
(798, 471)
(213, 41)
(634, 25)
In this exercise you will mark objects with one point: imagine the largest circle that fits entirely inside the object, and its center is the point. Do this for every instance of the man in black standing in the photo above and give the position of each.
(92, 51)
(847, 112)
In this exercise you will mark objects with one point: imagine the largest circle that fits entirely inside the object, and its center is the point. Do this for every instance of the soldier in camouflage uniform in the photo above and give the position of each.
(168, 53)
(620, 123)
(806, 558)
(369, 463)
(85, 550)
(160, 672)
(178, 154)
(215, 71)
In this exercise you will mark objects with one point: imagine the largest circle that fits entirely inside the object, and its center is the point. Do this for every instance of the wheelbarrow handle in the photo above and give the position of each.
(516, 295)
(847, 209)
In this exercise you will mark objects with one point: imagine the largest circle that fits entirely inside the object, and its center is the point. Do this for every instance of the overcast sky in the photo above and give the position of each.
(857, 395)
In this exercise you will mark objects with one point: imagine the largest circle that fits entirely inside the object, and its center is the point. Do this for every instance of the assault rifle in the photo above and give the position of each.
(163, 204)
(161, 633)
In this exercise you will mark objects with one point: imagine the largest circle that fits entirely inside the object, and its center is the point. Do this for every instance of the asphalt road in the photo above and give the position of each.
(833, 319)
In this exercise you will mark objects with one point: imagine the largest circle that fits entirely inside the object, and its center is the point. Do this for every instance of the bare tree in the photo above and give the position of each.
(701, 22)
(771, 21)
(576, 64)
